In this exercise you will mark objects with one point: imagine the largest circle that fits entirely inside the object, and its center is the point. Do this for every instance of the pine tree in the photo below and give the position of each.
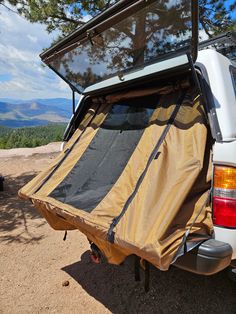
(67, 15)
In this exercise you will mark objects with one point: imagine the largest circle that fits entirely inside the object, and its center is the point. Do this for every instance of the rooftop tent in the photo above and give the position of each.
(128, 37)
(135, 175)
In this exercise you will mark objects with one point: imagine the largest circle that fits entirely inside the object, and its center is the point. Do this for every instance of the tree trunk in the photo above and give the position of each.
(139, 43)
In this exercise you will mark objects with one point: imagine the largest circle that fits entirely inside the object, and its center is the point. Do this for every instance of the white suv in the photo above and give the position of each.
(101, 58)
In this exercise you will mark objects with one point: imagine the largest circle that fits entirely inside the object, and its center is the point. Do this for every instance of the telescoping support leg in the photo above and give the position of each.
(1, 183)
(145, 266)
(137, 268)
(147, 276)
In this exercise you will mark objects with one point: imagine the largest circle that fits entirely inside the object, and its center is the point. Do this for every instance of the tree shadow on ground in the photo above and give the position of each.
(14, 212)
(174, 291)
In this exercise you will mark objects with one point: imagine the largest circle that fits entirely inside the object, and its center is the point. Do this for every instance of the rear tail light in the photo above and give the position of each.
(224, 197)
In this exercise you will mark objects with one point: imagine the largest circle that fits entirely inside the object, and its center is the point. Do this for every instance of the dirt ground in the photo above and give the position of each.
(35, 261)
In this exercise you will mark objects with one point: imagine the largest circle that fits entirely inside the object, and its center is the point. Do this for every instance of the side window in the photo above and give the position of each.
(233, 74)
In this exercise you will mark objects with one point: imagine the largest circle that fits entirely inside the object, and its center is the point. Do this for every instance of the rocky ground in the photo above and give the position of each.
(41, 273)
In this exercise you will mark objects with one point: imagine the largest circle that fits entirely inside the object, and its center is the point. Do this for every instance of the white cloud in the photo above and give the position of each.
(86, 18)
(62, 85)
(34, 39)
(203, 35)
(20, 46)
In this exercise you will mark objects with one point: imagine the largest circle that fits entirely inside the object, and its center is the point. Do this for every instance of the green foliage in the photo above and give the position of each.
(67, 15)
(215, 16)
(30, 137)
(64, 15)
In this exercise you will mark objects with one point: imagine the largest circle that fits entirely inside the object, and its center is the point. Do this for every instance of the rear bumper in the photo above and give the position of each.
(208, 258)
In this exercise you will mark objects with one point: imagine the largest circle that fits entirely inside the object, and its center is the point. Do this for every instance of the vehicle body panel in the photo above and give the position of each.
(220, 79)
(227, 236)
(225, 154)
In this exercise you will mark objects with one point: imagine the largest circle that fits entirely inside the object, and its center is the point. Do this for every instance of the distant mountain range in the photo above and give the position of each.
(24, 113)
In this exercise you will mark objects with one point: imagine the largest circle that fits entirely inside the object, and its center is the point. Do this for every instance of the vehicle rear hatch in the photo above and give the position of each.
(130, 40)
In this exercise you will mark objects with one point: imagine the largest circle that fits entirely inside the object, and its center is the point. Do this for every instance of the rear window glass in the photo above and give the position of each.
(160, 28)
(130, 116)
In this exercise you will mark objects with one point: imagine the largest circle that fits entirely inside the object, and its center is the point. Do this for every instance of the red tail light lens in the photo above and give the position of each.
(224, 212)
(224, 199)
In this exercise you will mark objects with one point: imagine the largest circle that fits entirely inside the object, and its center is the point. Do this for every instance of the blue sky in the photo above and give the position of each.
(22, 75)
(229, 2)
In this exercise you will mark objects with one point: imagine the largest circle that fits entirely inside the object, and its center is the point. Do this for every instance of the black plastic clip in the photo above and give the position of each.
(111, 236)
(111, 233)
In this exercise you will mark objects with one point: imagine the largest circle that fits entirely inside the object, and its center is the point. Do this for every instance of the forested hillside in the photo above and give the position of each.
(30, 137)
(36, 112)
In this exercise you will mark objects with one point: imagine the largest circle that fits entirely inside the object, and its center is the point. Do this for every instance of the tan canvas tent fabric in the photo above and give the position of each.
(108, 170)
